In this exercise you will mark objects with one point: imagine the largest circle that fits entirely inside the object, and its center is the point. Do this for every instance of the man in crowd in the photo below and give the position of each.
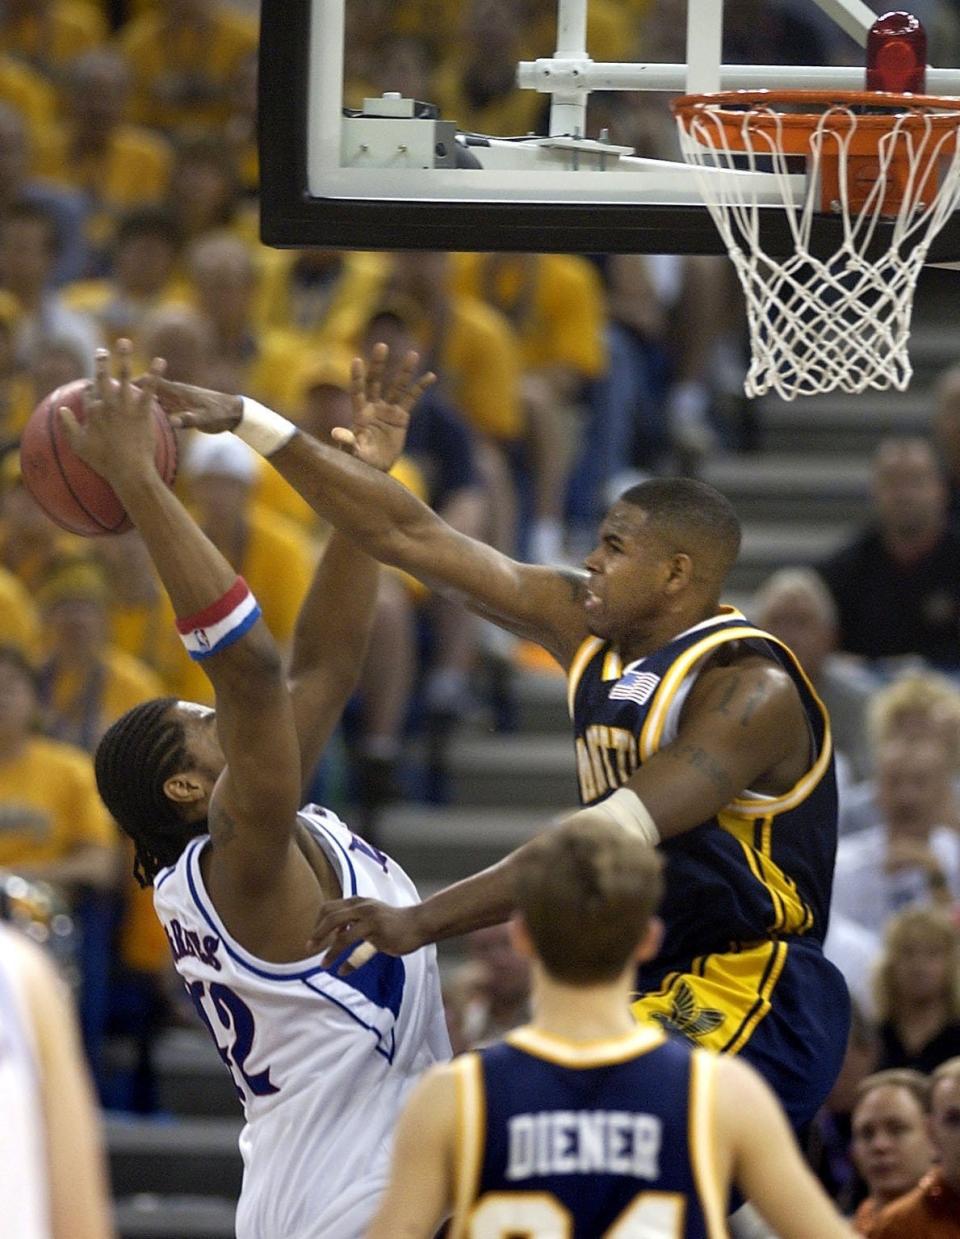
(891, 1147)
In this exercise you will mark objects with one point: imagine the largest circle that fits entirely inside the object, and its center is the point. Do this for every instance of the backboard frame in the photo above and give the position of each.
(293, 216)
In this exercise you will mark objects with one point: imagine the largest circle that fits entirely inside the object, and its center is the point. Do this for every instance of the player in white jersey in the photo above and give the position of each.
(322, 1061)
(52, 1176)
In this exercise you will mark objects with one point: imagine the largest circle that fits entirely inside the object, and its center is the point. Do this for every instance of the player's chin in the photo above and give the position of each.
(597, 626)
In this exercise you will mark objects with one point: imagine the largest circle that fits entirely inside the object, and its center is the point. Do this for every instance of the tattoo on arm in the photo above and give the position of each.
(222, 826)
(753, 702)
(729, 691)
(701, 760)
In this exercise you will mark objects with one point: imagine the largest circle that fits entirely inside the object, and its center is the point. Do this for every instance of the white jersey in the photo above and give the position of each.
(322, 1063)
(24, 1183)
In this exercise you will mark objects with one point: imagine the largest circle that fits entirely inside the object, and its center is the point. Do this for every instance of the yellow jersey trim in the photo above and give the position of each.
(469, 1139)
(652, 731)
(612, 668)
(776, 961)
(791, 915)
(575, 1054)
(587, 650)
(701, 1142)
(719, 1001)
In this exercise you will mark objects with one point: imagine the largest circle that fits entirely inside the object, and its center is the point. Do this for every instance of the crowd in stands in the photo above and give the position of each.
(128, 207)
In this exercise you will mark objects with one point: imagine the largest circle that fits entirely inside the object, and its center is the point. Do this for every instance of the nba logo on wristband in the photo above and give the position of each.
(220, 624)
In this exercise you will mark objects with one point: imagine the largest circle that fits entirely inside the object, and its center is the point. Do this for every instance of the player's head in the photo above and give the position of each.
(156, 767)
(891, 1147)
(945, 1119)
(665, 547)
(585, 897)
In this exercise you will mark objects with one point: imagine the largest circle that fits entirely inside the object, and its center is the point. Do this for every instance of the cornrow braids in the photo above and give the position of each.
(135, 757)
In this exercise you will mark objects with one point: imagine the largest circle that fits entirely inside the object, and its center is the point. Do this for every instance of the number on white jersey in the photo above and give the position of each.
(235, 1016)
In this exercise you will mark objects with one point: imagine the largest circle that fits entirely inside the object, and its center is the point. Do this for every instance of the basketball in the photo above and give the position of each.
(72, 494)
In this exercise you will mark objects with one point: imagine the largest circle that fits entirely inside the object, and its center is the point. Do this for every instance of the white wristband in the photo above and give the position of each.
(625, 809)
(262, 429)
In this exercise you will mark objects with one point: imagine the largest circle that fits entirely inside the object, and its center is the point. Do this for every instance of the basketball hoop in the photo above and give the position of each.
(883, 168)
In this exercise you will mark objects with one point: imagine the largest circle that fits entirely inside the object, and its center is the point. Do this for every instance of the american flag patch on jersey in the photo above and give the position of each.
(635, 686)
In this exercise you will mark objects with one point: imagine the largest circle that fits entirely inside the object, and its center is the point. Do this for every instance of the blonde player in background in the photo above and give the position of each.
(53, 1183)
(584, 1125)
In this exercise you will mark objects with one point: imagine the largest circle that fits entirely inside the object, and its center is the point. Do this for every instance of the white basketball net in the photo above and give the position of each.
(844, 322)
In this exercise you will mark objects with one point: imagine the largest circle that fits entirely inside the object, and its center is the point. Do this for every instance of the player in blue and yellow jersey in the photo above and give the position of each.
(694, 730)
(583, 1124)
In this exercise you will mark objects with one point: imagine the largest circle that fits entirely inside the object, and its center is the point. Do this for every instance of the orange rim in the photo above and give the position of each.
(910, 112)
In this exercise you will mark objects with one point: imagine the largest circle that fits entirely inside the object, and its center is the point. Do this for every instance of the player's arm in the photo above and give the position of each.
(397, 528)
(253, 806)
(79, 1199)
(420, 1191)
(753, 1137)
(743, 727)
(741, 722)
(329, 643)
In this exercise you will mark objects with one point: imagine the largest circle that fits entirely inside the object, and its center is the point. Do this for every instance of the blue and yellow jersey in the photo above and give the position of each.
(762, 868)
(587, 1140)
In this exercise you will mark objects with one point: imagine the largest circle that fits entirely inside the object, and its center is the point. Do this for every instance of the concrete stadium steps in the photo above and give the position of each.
(518, 770)
(193, 1079)
(193, 1156)
(842, 425)
(824, 488)
(441, 845)
(149, 1216)
(769, 546)
(542, 702)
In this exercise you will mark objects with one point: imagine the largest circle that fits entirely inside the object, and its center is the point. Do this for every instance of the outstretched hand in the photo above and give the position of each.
(364, 923)
(381, 407)
(116, 435)
(197, 408)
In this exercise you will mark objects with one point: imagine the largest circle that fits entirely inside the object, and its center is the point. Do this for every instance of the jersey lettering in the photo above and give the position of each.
(583, 1142)
(234, 1015)
(606, 758)
(538, 1215)
(367, 849)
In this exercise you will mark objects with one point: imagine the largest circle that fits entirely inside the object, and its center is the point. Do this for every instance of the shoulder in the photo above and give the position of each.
(737, 681)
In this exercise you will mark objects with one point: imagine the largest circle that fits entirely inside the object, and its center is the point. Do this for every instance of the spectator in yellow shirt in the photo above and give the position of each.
(84, 683)
(144, 255)
(477, 84)
(224, 280)
(53, 827)
(183, 53)
(326, 294)
(271, 553)
(473, 349)
(14, 389)
(17, 185)
(29, 540)
(18, 616)
(25, 90)
(141, 618)
(555, 305)
(47, 33)
(117, 165)
(204, 190)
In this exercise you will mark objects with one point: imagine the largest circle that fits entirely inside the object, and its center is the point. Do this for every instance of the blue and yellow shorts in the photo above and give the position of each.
(780, 1003)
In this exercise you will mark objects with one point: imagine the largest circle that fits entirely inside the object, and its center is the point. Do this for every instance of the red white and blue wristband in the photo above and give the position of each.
(221, 623)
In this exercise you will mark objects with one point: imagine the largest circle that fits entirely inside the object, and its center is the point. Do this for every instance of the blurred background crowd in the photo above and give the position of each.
(128, 207)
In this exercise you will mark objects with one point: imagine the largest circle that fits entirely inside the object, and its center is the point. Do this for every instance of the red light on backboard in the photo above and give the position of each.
(897, 54)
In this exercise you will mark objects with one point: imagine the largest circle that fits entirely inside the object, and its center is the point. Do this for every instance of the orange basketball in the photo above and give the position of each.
(72, 494)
